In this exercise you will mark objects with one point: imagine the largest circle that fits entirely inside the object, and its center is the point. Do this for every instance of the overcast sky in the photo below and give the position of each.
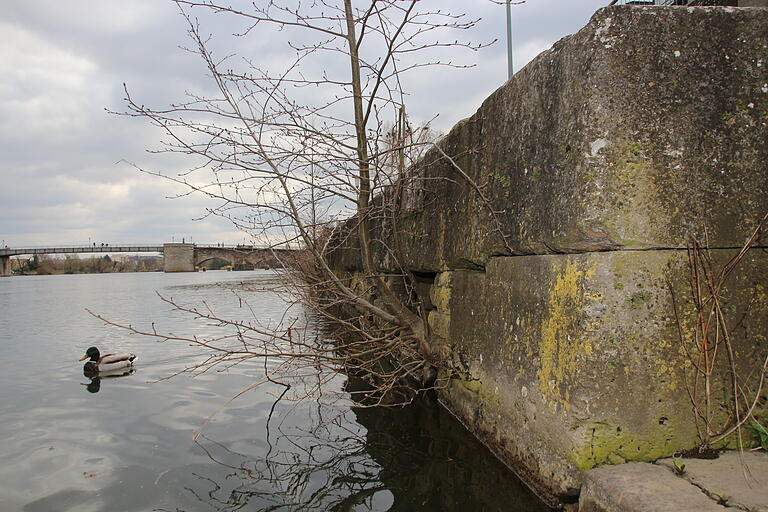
(63, 63)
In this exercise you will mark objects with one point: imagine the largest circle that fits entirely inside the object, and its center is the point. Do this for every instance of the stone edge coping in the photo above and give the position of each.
(705, 485)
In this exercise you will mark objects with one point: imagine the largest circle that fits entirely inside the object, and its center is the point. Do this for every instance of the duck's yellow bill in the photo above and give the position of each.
(84, 357)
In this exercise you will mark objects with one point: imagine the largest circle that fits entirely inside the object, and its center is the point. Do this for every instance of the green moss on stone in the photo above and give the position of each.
(639, 299)
(606, 443)
(487, 397)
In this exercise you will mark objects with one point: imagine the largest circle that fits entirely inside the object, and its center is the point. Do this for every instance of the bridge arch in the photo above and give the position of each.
(205, 260)
(185, 257)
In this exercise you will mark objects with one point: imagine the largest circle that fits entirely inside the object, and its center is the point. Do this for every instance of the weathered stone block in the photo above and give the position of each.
(641, 488)
(753, 3)
(737, 479)
(645, 128)
(573, 361)
(440, 291)
(440, 323)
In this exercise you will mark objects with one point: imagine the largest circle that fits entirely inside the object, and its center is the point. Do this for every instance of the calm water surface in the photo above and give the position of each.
(68, 443)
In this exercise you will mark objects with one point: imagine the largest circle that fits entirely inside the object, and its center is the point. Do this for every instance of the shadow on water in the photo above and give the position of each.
(416, 457)
(430, 462)
(94, 386)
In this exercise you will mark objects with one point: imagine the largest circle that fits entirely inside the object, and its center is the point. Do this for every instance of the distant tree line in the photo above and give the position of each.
(72, 264)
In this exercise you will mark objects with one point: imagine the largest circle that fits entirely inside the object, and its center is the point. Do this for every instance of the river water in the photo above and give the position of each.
(70, 443)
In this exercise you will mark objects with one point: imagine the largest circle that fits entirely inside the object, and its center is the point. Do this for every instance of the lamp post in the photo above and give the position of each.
(510, 70)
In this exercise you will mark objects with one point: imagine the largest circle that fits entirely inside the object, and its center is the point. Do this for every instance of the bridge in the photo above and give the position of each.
(177, 257)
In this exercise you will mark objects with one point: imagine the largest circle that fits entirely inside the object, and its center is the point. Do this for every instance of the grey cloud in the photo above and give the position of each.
(59, 147)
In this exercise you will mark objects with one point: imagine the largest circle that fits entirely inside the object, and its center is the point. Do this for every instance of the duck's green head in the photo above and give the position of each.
(92, 353)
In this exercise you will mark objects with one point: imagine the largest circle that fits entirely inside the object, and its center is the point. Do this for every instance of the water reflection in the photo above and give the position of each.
(365, 459)
(96, 377)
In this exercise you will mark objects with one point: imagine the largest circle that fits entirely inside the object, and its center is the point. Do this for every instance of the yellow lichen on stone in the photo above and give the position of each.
(440, 323)
(440, 292)
(561, 344)
(759, 297)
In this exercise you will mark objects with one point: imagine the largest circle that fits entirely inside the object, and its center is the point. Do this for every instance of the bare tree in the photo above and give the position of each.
(286, 153)
(724, 395)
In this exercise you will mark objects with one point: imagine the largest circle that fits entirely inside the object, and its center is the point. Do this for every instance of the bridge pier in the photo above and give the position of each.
(5, 266)
(179, 257)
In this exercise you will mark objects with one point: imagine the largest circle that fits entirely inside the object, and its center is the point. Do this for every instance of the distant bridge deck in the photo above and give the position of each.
(99, 248)
(74, 249)
(177, 257)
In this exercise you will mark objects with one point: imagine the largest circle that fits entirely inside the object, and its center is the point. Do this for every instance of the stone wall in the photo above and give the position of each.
(557, 250)
(574, 361)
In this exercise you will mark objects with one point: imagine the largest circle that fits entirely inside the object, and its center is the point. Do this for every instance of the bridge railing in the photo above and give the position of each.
(73, 246)
(84, 248)
(99, 247)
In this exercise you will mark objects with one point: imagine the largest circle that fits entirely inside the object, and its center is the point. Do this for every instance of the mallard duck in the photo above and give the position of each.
(107, 362)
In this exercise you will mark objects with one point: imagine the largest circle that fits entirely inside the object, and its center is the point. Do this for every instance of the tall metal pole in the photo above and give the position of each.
(509, 39)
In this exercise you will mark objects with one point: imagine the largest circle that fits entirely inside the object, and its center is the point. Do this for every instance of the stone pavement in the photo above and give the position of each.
(732, 482)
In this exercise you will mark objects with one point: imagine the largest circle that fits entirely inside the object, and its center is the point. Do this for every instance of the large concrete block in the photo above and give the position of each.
(645, 128)
(573, 361)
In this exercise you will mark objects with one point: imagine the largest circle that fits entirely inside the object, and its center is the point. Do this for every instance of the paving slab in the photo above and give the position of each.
(642, 487)
(738, 480)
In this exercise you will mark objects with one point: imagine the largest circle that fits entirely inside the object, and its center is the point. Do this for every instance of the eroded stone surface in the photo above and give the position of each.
(574, 361)
(645, 128)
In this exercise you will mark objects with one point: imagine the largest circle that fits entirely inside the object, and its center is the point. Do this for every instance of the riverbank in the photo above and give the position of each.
(66, 273)
(73, 264)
